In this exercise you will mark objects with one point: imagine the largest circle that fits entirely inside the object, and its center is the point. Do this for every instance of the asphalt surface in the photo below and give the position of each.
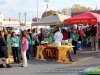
(83, 59)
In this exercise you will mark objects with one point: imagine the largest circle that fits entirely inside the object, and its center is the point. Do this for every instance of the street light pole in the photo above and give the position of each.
(19, 20)
(46, 6)
(37, 12)
(25, 20)
(37, 9)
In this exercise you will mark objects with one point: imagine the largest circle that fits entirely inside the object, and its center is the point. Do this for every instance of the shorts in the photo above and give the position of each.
(3, 54)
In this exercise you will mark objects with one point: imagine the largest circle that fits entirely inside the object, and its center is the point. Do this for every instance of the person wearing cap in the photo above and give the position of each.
(75, 37)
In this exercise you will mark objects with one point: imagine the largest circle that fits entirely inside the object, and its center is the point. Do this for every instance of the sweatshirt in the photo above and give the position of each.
(24, 43)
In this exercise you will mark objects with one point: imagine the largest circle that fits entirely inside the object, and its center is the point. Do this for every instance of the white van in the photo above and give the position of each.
(16, 30)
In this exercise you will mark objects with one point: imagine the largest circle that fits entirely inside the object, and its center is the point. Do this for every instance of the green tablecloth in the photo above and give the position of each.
(48, 40)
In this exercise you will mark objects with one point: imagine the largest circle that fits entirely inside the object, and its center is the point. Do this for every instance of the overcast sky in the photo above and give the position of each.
(11, 8)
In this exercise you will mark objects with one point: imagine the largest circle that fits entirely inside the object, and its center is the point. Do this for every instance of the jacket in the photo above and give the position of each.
(93, 31)
(41, 37)
(3, 44)
(16, 42)
(29, 40)
(75, 36)
(24, 43)
(30, 34)
(58, 36)
(5, 36)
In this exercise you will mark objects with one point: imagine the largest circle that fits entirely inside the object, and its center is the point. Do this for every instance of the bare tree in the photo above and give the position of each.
(64, 11)
(79, 8)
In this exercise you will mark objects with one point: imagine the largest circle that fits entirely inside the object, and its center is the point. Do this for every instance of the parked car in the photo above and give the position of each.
(8, 28)
(1, 28)
(16, 30)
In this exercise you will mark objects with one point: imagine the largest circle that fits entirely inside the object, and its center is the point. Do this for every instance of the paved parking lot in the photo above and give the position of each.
(83, 60)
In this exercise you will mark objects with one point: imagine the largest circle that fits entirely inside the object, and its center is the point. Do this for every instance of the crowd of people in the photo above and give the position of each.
(27, 41)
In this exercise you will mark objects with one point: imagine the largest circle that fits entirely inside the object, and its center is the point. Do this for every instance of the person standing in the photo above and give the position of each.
(41, 35)
(58, 36)
(94, 44)
(29, 33)
(30, 38)
(8, 40)
(35, 42)
(87, 33)
(14, 41)
(65, 34)
(5, 33)
(81, 34)
(51, 34)
(75, 37)
(69, 33)
(45, 34)
(29, 44)
(3, 51)
(24, 44)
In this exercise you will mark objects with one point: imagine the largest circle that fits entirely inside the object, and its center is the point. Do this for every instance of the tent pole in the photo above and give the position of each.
(31, 27)
(97, 39)
(63, 25)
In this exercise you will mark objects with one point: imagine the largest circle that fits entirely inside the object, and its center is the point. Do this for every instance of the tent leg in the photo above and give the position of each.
(97, 39)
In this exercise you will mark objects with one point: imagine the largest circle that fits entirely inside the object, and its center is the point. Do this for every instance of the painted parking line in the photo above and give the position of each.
(88, 58)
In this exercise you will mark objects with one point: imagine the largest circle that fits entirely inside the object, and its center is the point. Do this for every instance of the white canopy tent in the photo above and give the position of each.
(51, 20)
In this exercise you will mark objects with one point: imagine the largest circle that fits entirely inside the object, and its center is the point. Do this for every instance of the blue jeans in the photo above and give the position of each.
(30, 49)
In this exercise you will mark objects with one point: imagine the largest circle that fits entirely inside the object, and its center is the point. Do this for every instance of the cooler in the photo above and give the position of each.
(79, 44)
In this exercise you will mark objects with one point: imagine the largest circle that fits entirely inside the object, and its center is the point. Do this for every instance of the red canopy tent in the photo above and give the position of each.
(84, 18)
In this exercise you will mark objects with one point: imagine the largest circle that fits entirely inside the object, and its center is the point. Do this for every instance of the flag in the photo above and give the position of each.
(95, 11)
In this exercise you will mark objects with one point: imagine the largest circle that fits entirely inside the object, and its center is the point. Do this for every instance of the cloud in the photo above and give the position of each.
(11, 8)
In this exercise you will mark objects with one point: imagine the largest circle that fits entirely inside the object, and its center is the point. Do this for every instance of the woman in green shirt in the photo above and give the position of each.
(14, 41)
(75, 37)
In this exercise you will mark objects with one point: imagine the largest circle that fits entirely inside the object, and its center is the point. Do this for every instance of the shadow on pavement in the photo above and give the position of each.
(83, 54)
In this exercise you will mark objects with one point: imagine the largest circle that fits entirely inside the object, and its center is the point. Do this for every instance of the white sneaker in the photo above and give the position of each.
(23, 66)
(80, 49)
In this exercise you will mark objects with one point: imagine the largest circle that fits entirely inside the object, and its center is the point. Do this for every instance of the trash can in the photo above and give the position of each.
(79, 44)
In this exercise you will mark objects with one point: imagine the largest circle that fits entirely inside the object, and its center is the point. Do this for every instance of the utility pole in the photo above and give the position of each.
(25, 20)
(19, 20)
(37, 12)
(46, 6)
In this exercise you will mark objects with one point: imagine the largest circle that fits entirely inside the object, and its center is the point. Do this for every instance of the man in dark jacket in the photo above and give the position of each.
(94, 44)
(41, 35)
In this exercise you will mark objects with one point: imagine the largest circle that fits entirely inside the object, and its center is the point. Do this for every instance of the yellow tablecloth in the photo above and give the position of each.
(62, 52)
